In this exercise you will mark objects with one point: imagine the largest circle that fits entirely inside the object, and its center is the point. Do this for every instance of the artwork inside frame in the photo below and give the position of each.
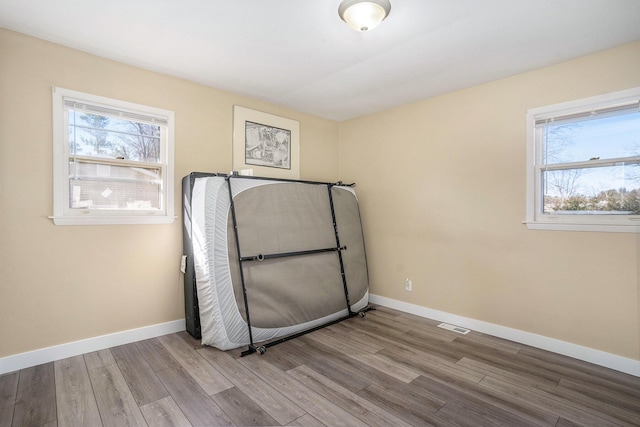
(265, 144)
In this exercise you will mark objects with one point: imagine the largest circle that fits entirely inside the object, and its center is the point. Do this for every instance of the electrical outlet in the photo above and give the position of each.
(408, 286)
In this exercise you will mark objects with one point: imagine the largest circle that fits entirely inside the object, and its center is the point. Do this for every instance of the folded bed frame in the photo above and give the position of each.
(268, 260)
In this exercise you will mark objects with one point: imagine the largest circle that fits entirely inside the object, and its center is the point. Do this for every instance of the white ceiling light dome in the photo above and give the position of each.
(364, 15)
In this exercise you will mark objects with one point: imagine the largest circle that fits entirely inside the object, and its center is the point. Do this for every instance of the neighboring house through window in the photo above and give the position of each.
(113, 161)
(583, 164)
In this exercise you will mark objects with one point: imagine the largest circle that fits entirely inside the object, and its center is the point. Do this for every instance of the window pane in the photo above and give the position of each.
(601, 138)
(101, 136)
(604, 190)
(100, 186)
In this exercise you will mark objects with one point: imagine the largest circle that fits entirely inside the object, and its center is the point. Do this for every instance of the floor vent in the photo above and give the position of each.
(457, 329)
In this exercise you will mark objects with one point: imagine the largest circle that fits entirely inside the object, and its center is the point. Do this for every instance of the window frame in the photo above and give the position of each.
(536, 219)
(62, 213)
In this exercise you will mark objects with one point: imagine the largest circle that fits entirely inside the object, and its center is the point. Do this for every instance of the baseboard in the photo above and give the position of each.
(597, 357)
(62, 351)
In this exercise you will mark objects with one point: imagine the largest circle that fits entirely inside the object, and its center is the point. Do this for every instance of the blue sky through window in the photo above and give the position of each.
(601, 138)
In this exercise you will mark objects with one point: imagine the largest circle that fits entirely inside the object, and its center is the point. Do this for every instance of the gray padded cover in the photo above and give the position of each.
(283, 218)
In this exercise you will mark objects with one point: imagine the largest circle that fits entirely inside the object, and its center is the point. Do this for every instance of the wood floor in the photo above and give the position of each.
(387, 369)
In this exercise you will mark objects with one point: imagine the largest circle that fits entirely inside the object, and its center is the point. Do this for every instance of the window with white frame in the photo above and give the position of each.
(583, 164)
(113, 161)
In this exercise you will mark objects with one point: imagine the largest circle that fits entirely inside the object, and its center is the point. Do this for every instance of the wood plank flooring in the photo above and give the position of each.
(387, 369)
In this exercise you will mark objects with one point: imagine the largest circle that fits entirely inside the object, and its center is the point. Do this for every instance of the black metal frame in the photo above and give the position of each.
(191, 303)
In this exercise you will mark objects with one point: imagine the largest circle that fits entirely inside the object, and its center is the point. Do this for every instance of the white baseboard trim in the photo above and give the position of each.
(597, 357)
(62, 351)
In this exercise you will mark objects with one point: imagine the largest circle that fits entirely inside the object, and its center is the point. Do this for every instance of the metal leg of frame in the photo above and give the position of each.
(335, 230)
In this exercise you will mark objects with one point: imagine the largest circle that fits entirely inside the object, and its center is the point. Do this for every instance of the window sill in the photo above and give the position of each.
(115, 220)
(604, 228)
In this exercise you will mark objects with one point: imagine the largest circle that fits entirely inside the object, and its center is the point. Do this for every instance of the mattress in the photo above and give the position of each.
(273, 258)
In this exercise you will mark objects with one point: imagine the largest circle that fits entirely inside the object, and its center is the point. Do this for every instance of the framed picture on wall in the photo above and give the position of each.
(265, 144)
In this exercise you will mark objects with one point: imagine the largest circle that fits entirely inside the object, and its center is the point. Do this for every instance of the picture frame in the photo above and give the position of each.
(265, 144)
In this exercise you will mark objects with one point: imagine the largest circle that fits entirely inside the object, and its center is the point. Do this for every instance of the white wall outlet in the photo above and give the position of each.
(408, 286)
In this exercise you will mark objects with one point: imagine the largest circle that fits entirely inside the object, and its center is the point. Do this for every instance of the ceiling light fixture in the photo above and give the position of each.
(364, 15)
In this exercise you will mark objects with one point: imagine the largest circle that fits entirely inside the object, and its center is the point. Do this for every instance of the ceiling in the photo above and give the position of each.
(300, 55)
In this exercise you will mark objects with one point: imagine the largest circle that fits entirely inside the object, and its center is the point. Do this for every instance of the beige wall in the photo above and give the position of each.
(64, 283)
(442, 190)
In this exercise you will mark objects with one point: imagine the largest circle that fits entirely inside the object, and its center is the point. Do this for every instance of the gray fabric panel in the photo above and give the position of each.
(280, 218)
(289, 291)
